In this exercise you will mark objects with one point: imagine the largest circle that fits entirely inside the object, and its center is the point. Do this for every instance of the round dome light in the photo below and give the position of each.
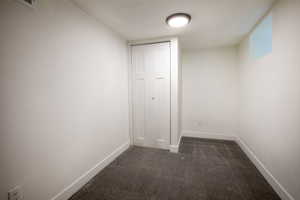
(178, 20)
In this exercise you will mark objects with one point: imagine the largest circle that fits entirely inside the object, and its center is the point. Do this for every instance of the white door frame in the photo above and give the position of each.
(175, 79)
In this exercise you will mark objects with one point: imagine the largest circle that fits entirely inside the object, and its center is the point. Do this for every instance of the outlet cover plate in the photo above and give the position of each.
(15, 194)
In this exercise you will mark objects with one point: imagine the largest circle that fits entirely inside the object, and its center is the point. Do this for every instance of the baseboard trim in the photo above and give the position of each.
(175, 148)
(66, 193)
(207, 135)
(281, 191)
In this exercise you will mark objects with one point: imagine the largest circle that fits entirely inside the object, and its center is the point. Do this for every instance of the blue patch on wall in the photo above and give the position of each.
(261, 39)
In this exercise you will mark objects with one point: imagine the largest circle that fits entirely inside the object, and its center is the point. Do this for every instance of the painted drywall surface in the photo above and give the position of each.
(64, 96)
(210, 80)
(270, 98)
(175, 91)
(214, 22)
(179, 91)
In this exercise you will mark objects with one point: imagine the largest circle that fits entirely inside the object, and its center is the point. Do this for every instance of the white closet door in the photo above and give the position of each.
(151, 90)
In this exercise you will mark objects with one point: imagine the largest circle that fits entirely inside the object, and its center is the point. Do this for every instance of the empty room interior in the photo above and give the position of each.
(150, 100)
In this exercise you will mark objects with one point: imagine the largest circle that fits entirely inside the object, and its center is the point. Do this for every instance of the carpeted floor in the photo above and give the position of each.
(203, 170)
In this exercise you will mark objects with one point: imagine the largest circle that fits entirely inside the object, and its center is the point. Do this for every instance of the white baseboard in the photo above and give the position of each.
(175, 148)
(281, 191)
(207, 135)
(66, 193)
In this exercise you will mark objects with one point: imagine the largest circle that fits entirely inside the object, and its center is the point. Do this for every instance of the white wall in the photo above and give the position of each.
(64, 96)
(270, 99)
(180, 96)
(210, 80)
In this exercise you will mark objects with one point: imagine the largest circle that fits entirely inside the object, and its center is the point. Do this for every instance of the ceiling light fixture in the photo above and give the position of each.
(178, 20)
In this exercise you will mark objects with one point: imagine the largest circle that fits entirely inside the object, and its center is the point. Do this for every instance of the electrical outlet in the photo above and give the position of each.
(30, 3)
(15, 194)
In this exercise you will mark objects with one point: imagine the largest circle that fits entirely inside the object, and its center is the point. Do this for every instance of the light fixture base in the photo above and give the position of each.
(178, 20)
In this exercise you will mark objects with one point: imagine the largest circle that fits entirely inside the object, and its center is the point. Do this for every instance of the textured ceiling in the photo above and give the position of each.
(214, 22)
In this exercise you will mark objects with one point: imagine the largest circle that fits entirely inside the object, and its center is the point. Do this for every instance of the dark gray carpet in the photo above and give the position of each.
(203, 170)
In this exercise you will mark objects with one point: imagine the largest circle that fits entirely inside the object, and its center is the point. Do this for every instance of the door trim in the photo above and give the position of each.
(175, 89)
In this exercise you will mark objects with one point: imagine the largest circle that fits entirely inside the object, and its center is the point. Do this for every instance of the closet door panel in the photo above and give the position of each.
(151, 64)
(139, 94)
